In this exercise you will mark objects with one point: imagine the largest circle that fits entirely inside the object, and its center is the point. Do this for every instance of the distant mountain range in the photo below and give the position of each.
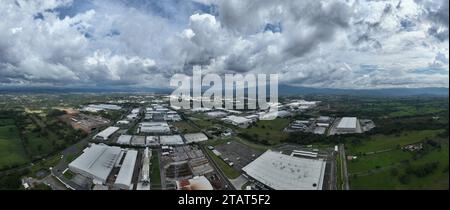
(282, 90)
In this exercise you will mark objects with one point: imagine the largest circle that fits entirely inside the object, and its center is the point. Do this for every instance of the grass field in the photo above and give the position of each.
(12, 152)
(155, 173)
(185, 127)
(371, 162)
(384, 179)
(229, 171)
(383, 142)
(268, 130)
(388, 170)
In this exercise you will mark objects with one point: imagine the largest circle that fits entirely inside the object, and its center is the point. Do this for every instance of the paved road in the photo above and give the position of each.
(344, 167)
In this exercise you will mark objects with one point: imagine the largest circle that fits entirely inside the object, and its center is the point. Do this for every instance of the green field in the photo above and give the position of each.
(12, 152)
(371, 162)
(270, 131)
(384, 179)
(185, 127)
(389, 169)
(383, 142)
(229, 171)
(155, 172)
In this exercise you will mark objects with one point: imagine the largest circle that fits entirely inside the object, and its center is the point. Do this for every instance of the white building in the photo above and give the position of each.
(238, 121)
(100, 107)
(105, 134)
(123, 180)
(216, 114)
(135, 111)
(123, 122)
(283, 172)
(171, 140)
(195, 137)
(154, 127)
(96, 162)
(132, 116)
(152, 141)
(347, 125)
(138, 141)
(124, 139)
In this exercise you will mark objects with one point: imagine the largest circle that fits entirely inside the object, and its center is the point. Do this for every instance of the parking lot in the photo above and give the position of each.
(239, 154)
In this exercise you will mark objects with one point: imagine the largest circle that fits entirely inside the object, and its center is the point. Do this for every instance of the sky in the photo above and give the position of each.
(360, 44)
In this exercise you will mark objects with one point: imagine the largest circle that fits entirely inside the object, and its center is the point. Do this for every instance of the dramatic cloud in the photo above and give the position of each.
(333, 43)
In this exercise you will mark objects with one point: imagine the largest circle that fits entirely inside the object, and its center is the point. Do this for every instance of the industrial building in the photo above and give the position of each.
(152, 141)
(274, 114)
(96, 162)
(283, 172)
(171, 140)
(105, 134)
(154, 127)
(100, 107)
(347, 125)
(86, 123)
(216, 114)
(144, 178)
(124, 139)
(123, 180)
(195, 137)
(238, 121)
(138, 141)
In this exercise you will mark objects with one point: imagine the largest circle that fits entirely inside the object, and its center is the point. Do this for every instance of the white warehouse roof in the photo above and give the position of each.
(195, 137)
(124, 139)
(96, 161)
(154, 127)
(284, 172)
(171, 140)
(347, 123)
(125, 175)
(106, 133)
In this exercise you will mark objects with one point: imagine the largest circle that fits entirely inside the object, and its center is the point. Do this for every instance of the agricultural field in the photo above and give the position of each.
(395, 168)
(12, 152)
(385, 142)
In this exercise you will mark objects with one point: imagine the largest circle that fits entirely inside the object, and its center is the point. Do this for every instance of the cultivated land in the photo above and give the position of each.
(12, 152)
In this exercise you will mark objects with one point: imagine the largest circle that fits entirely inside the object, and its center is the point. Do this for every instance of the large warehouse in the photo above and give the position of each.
(283, 172)
(195, 137)
(171, 140)
(123, 180)
(96, 162)
(105, 134)
(154, 127)
(238, 121)
(347, 124)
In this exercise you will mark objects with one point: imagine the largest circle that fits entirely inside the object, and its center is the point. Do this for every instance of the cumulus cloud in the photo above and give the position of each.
(332, 43)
